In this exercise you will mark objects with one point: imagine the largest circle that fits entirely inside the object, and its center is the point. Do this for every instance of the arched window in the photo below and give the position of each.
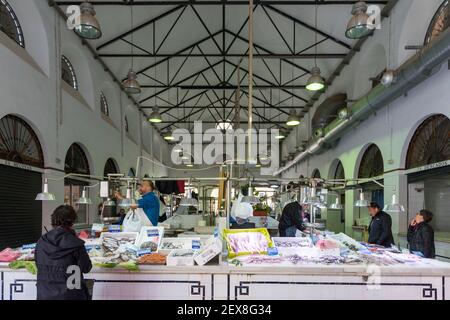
(19, 143)
(339, 173)
(76, 162)
(104, 105)
(9, 24)
(430, 143)
(68, 73)
(372, 164)
(439, 23)
(110, 167)
(316, 174)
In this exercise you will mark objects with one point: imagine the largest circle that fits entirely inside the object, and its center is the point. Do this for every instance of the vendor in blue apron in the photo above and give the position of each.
(149, 202)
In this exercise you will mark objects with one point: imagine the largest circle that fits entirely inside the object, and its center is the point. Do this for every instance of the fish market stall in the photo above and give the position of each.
(247, 264)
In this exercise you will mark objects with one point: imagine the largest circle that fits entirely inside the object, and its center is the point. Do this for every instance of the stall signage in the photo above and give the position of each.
(272, 251)
(143, 252)
(29, 246)
(429, 167)
(196, 245)
(152, 233)
(115, 228)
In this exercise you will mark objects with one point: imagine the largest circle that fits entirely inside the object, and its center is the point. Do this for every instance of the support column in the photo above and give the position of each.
(397, 183)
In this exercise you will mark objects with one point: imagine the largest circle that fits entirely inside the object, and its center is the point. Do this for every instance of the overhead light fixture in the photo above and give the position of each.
(315, 81)
(188, 201)
(250, 198)
(84, 199)
(362, 202)
(293, 119)
(394, 206)
(337, 205)
(131, 85)
(45, 195)
(155, 116)
(280, 136)
(189, 165)
(388, 78)
(87, 25)
(224, 126)
(312, 198)
(168, 136)
(359, 26)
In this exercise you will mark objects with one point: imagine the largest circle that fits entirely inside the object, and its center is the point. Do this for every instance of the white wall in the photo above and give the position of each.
(392, 127)
(30, 87)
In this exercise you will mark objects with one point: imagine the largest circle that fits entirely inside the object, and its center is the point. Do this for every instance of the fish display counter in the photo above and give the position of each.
(248, 265)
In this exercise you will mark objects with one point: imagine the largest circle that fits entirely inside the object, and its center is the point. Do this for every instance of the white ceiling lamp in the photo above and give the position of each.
(315, 81)
(394, 206)
(293, 119)
(280, 136)
(131, 85)
(87, 25)
(337, 205)
(45, 195)
(84, 199)
(362, 202)
(155, 116)
(129, 200)
(188, 201)
(178, 149)
(168, 136)
(359, 26)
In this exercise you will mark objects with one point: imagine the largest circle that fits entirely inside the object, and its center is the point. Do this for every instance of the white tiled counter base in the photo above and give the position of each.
(266, 283)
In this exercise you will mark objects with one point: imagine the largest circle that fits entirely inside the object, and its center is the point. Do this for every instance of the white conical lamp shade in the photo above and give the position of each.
(188, 201)
(84, 199)
(394, 206)
(45, 195)
(362, 202)
(337, 205)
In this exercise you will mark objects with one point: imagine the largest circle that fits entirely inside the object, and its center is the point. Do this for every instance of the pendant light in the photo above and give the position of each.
(337, 205)
(358, 27)
(188, 201)
(131, 85)
(109, 203)
(88, 26)
(280, 136)
(84, 198)
(45, 195)
(155, 116)
(362, 202)
(168, 136)
(394, 206)
(315, 81)
(129, 200)
(178, 149)
(293, 119)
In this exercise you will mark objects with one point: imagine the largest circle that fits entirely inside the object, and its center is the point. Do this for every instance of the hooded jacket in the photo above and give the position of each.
(291, 217)
(55, 252)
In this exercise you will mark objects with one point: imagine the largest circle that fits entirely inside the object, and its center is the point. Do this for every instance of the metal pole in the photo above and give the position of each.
(250, 79)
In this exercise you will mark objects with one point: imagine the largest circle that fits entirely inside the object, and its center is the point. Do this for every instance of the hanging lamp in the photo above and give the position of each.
(362, 202)
(293, 119)
(45, 195)
(337, 205)
(155, 116)
(87, 25)
(84, 198)
(131, 85)
(315, 81)
(359, 27)
(188, 200)
(394, 206)
(168, 136)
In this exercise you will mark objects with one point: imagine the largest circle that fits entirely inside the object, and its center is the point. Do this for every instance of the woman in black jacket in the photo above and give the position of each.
(61, 260)
(291, 220)
(421, 235)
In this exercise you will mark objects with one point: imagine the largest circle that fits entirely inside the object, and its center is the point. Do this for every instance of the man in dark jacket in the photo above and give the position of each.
(61, 260)
(421, 235)
(291, 220)
(380, 229)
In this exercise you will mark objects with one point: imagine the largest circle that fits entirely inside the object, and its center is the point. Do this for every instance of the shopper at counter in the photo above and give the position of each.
(380, 228)
(291, 220)
(421, 235)
(149, 202)
(56, 251)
